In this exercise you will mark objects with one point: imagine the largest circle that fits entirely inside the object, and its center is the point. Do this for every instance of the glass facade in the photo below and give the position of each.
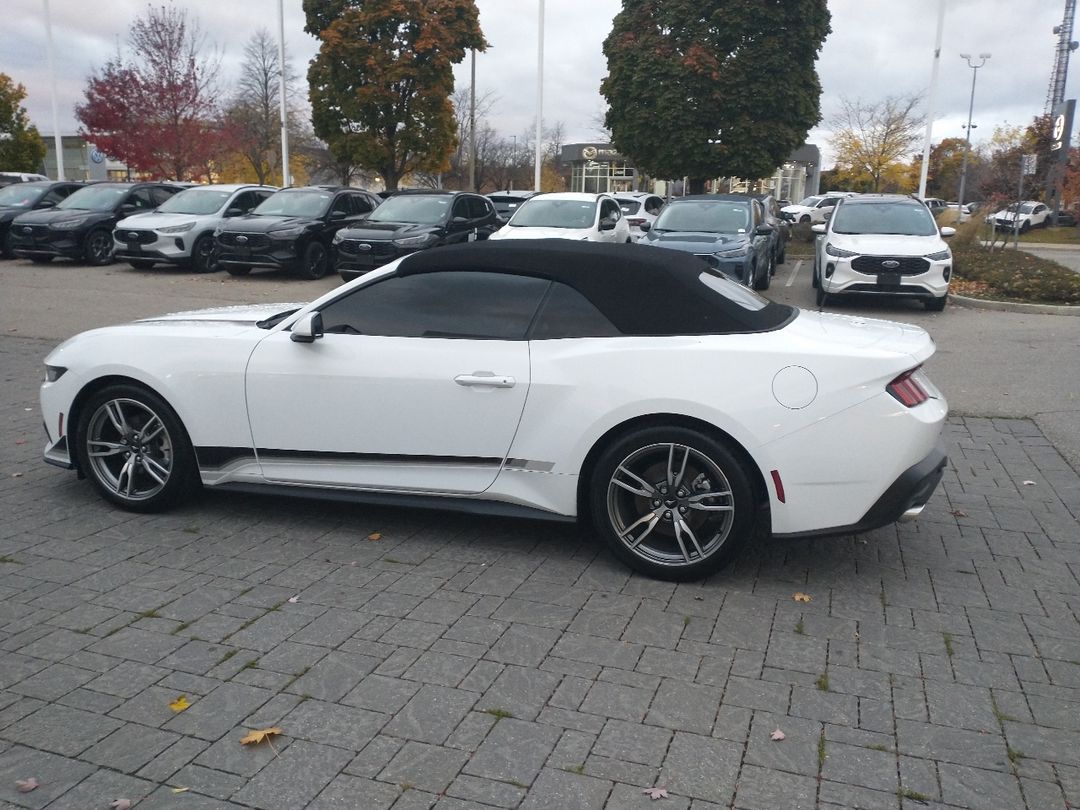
(595, 177)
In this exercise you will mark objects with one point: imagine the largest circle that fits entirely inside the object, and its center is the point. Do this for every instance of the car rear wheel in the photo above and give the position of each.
(805, 218)
(98, 248)
(1025, 227)
(672, 503)
(762, 282)
(315, 262)
(202, 255)
(238, 269)
(134, 449)
(780, 259)
(8, 248)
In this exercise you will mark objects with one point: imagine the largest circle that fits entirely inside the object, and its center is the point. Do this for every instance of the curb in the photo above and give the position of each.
(1011, 306)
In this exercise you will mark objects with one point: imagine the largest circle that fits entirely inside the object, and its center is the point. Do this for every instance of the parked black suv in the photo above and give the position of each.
(411, 221)
(291, 230)
(81, 226)
(781, 228)
(19, 198)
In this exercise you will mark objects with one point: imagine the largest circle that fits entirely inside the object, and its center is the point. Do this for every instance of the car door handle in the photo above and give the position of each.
(485, 378)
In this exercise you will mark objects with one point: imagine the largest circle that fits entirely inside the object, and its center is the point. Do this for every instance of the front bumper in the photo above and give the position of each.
(350, 265)
(278, 255)
(839, 277)
(65, 244)
(164, 248)
(737, 268)
(904, 498)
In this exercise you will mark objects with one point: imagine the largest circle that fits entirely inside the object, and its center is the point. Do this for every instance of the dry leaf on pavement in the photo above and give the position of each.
(180, 790)
(375, 536)
(26, 785)
(799, 596)
(777, 736)
(959, 513)
(258, 735)
(1029, 483)
(655, 793)
(180, 704)
(293, 599)
(121, 804)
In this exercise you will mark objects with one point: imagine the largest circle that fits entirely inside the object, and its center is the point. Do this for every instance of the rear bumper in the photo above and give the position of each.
(57, 454)
(904, 499)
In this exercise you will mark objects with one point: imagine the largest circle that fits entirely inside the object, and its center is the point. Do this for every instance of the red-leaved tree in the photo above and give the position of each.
(156, 109)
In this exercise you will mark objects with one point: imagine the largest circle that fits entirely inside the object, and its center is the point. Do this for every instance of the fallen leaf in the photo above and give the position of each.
(777, 736)
(799, 596)
(1029, 483)
(180, 790)
(375, 536)
(180, 704)
(353, 562)
(294, 599)
(16, 475)
(121, 804)
(26, 785)
(258, 735)
(958, 513)
(655, 793)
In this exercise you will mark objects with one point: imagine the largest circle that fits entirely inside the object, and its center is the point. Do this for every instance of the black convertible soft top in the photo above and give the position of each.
(642, 290)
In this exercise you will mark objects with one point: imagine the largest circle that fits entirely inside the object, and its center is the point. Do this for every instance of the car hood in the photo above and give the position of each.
(880, 244)
(266, 224)
(51, 215)
(241, 313)
(795, 209)
(383, 231)
(1009, 215)
(156, 220)
(526, 232)
(696, 242)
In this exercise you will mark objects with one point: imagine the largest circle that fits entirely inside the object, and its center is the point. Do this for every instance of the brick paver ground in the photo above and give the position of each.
(470, 663)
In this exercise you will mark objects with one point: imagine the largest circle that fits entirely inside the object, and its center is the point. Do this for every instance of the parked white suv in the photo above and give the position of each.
(639, 207)
(814, 209)
(567, 215)
(1033, 214)
(181, 230)
(883, 244)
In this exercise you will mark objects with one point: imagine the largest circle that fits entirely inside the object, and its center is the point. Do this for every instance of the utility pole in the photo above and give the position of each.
(539, 96)
(57, 140)
(967, 137)
(930, 103)
(285, 180)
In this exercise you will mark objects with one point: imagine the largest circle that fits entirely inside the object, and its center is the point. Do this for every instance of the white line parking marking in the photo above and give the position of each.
(794, 272)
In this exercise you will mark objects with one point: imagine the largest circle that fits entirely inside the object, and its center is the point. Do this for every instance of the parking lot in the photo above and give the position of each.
(419, 659)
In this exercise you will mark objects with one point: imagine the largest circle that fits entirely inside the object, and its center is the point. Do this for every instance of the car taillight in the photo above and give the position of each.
(635, 221)
(907, 390)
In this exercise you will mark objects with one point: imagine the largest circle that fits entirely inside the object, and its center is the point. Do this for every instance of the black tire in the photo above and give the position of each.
(1025, 227)
(140, 264)
(238, 269)
(762, 282)
(815, 282)
(316, 262)
(202, 255)
(41, 259)
(98, 248)
(683, 536)
(805, 218)
(782, 257)
(7, 250)
(936, 304)
(822, 297)
(150, 454)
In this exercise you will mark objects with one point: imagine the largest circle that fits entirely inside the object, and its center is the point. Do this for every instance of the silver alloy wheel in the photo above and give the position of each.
(670, 504)
(129, 449)
(99, 247)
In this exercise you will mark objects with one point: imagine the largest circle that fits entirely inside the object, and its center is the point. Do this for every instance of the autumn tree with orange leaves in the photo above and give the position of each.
(382, 81)
(713, 88)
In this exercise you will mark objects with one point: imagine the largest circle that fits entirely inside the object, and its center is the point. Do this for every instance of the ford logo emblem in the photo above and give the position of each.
(891, 264)
(133, 235)
(27, 229)
(363, 246)
(241, 240)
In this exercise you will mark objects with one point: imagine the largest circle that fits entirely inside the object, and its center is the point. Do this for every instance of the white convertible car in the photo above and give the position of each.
(637, 389)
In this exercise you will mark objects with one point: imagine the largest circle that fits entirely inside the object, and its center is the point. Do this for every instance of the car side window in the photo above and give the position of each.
(140, 198)
(477, 208)
(243, 202)
(609, 209)
(360, 205)
(829, 202)
(566, 313)
(342, 205)
(55, 195)
(452, 304)
(461, 208)
(160, 195)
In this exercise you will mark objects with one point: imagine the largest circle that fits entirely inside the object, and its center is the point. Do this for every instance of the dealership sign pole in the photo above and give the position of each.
(59, 145)
(1062, 117)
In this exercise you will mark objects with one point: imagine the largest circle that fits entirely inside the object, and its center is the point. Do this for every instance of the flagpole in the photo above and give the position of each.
(539, 96)
(58, 141)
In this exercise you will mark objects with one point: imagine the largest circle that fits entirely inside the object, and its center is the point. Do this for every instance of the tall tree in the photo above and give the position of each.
(869, 137)
(693, 86)
(21, 147)
(946, 166)
(156, 110)
(253, 117)
(382, 80)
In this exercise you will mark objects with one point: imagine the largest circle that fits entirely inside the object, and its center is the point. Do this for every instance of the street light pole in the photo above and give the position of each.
(967, 137)
(930, 103)
(57, 141)
(539, 95)
(282, 73)
(472, 124)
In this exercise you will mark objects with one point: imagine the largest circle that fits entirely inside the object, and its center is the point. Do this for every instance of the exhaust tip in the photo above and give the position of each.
(913, 512)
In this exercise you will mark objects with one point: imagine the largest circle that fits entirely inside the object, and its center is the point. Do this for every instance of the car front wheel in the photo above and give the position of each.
(99, 247)
(672, 503)
(316, 262)
(202, 255)
(134, 449)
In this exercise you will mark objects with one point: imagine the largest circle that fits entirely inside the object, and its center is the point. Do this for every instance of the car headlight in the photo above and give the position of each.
(940, 256)
(290, 233)
(839, 253)
(68, 224)
(54, 373)
(187, 226)
(413, 241)
(219, 230)
(339, 237)
(733, 253)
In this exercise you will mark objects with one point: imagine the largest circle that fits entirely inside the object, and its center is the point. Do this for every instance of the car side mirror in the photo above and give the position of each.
(763, 230)
(459, 220)
(337, 215)
(644, 226)
(46, 204)
(307, 329)
(127, 209)
(947, 232)
(818, 228)
(234, 212)
(827, 214)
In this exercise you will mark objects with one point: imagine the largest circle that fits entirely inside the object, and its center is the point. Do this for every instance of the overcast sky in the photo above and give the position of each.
(877, 48)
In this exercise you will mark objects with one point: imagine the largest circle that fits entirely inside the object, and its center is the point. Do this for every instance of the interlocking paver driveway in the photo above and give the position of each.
(475, 663)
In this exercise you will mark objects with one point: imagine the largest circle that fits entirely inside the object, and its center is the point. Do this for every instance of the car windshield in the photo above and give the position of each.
(539, 213)
(195, 201)
(810, 202)
(628, 206)
(900, 219)
(419, 209)
(1027, 208)
(704, 216)
(96, 198)
(504, 204)
(295, 204)
(21, 195)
